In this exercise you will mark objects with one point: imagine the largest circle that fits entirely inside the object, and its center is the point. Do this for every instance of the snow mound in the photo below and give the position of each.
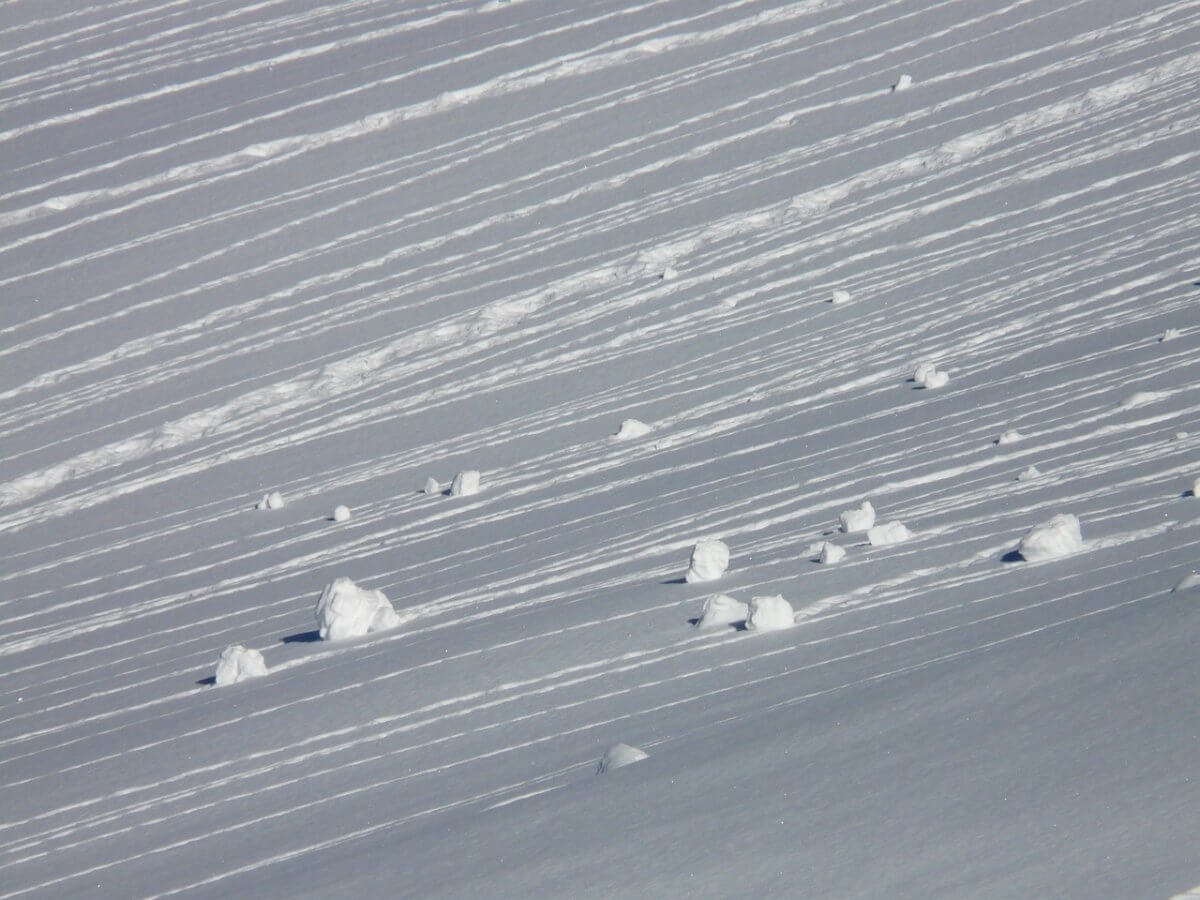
(721, 609)
(856, 520)
(923, 371)
(341, 513)
(237, 664)
(1188, 582)
(831, 552)
(1180, 435)
(345, 611)
(710, 559)
(891, 533)
(769, 614)
(632, 428)
(465, 484)
(432, 486)
(1029, 474)
(839, 297)
(1011, 436)
(1050, 540)
(273, 500)
(1169, 335)
(903, 83)
(1196, 487)
(619, 755)
(935, 379)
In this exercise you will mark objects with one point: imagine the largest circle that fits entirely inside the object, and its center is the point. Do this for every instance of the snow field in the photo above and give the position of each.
(1060, 536)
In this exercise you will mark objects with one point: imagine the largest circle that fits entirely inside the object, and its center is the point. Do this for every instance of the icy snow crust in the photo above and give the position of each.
(335, 249)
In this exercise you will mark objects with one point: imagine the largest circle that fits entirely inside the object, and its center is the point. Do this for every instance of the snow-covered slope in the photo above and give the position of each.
(336, 249)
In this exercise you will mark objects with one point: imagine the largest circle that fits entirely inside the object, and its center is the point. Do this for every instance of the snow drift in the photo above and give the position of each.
(1058, 537)
(710, 559)
(237, 663)
(345, 610)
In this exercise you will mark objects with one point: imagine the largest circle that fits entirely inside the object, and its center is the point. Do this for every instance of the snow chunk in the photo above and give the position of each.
(831, 552)
(856, 520)
(1188, 582)
(1011, 436)
(769, 614)
(237, 664)
(1196, 487)
(935, 380)
(1029, 474)
(1050, 540)
(923, 371)
(619, 755)
(1169, 335)
(839, 297)
(432, 486)
(632, 428)
(1143, 398)
(465, 484)
(710, 559)
(345, 610)
(721, 609)
(903, 83)
(273, 500)
(669, 274)
(341, 513)
(891, 533)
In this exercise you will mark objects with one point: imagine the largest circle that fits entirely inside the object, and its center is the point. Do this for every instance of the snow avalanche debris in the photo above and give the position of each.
(341, 513)
(631, 428)
(891, 533)
(619, 755)
(903, 83)
(432, 486)
(1011, 436)
(1028, 474)
(831, 552)
(839, 297)
(273, 500)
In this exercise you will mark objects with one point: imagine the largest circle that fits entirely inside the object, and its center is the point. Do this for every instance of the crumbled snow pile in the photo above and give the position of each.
(632, 428)
(831, 552)
(839, 297)
(1050, 540)
(432, 486)
(345, 611)
(903, 83)
(1028, 474)
(769, 614)
(1169, 335)
(273, 500)
(669, 274)
(237, 663)
(619, 755)
(1188, 582)
(465, 484)
(1011, 436)
(341, 514)
(891, 533)
(710, 559)
(721, 609)
(856, 520)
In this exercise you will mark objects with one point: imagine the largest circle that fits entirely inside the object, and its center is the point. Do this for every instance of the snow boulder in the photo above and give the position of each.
(710, 559)
(935, 380)
(238, 663)
(922, 371)
(465, 484)
(1196, 487)
(837, 298)
(431, 486)
(341, 513)
(619, 755)
(891, 533)
(345, 610)
(1050, 540)
(1169, 335)
(721, 609)
(630, 429)
(903, 83)
(832, 553)
(1188, 582)
(1028, 474)
(856, 520)
(1011, 436)
(273, 500)
(669, 274)
(769, 614)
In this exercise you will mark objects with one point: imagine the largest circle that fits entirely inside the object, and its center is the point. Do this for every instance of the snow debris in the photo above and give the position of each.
(891, 533)
(831, 552)
(1169, 335)
(839, 297)
(1188, 582)
(1050, 540)
(1028, 474)
(856, 520)
(432, 486)
(237, 664)
(465, 484)
(619, 755)
(721, 609)
(273, 500)
(345, 610)
(769, 614)
(1011, 436)
(341, 513)
(903, 83)
(669, 274)
(632, 428)
(710, 559)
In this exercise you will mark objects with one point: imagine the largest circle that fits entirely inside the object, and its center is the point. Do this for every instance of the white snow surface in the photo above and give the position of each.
(854, 521)
(345, 610)
(709, 560)
(1059, 536)
(721, 609)
(769, 613)
(237, 663)
(332, 248)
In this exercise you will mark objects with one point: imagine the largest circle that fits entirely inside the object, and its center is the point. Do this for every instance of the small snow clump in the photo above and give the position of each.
(1169, 335)
(1196, 487)
(1028, 474)
(1050, 540)
(669, 274)
(432, 486)
(237, 664)
(837, 298)
(632, 428)
(1011, 436)
(341, 513)
(891, 533)
(710, 559)
(769, 614)
(721, 609)
(923, 371)
(345, 610)
(903, 83)
(1188, 582)
(465, 484)
(619, 755)
(273, 500)
(856, 520)
(831, 552)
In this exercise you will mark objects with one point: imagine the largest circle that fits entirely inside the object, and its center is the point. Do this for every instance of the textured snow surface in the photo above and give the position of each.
(332, 249)
(238, 663)
(709, 560)
(1060, 536)
(344, 610)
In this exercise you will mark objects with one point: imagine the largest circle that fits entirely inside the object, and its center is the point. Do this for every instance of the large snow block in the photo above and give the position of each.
(891, 533)
(1058, 537)
(465, 484)
(619, 755)
(710, 559)
(770, 614)
(237, 663)
(856, 520)
(345, 610)
(721, 609)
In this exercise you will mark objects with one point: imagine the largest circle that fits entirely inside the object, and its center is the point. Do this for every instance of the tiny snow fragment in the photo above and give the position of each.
(465, 484)
(345, 610)
(432, 486)
(669, 274)
(903, 83)
(856, 520)
(273, 500)
(923, 371)
(1169, 335)
(631, 428)
(769, 614)
(831, 553)
(709, 561)
(1011, 436)
(1028, 474)
(1058, 537)
(341, 513)
(619, 755)
(721, 609)
(891, 533)
(839, 297)
(237, 664)
(1188, 582)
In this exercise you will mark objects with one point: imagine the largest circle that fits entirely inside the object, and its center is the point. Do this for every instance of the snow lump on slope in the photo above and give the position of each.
(891, 533)
(619, 755)
(465, 484)
(710, 559)
(272, 500)
(721, 609)
(1058, 537)
(770, 614)
(237, 663)
(856, 520)
(630, 429)
(345, 610)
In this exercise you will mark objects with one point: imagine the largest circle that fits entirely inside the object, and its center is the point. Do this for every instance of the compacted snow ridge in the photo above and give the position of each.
(317, 251)
(619, 755)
